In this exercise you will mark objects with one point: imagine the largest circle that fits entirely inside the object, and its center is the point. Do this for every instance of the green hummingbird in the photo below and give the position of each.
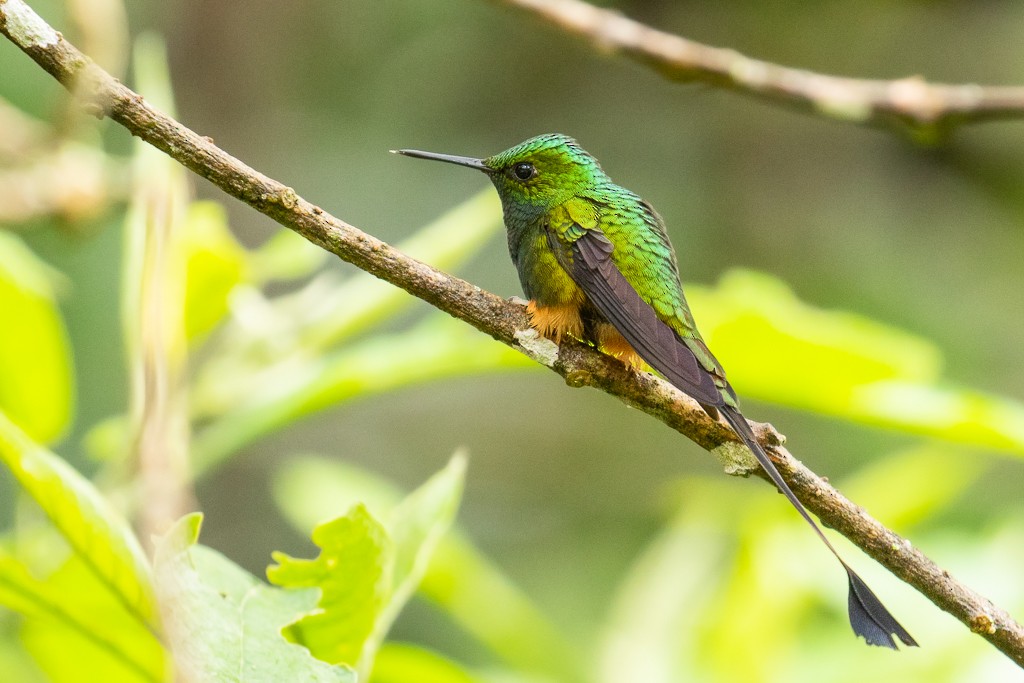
(596, 263)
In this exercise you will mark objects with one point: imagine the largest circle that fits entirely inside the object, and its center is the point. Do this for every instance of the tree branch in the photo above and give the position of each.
(924, 109)
(577, 364)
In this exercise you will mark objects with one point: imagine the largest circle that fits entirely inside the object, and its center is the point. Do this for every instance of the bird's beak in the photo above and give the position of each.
(469, 162)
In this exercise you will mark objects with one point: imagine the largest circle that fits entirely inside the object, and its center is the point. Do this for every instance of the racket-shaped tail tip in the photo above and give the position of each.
(871, 620)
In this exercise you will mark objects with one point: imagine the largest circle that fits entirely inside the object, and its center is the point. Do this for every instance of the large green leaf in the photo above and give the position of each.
(36, 376)
(417, 525)
(97, 533)
(778, 348)
(422, 518)
(225, 624)
(73, 613)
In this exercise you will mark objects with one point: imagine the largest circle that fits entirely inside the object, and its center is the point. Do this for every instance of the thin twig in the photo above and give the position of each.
(153, 296)
(504, 321)
(925, 109)
(155, 345)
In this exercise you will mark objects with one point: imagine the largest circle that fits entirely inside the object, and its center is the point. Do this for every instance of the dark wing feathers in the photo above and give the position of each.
(656, 342)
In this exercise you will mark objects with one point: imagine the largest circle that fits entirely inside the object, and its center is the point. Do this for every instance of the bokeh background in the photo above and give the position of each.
(583, 503)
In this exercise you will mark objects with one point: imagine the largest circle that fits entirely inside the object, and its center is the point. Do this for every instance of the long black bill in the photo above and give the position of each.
(469, 162)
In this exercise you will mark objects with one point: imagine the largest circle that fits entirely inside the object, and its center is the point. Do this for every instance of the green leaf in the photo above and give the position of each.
(36, 375)
(830, 351)
(97, 533)
(422, 518)
(778, 348)
(460, 580)
(417, 525)
(216, 263)
(405, 663)
(16, 664)
(73, 613)
(368, 574)
(353, 572)
(224, 624)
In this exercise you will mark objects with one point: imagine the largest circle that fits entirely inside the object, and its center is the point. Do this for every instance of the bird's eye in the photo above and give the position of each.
(524, 170)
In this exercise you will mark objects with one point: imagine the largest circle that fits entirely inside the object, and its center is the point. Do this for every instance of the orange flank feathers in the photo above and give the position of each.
(611, 341)
(559, 322)
(555, 322)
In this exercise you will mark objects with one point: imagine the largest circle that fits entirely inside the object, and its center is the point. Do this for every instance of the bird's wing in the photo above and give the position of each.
(659, 253)
(590, 265)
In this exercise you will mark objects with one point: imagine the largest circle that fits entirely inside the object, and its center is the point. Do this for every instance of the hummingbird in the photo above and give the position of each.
(596, 263)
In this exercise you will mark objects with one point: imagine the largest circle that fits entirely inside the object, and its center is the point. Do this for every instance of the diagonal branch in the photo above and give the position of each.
(578, 365)
(925, 109)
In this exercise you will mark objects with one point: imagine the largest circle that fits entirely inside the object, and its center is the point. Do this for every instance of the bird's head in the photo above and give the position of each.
(540, 173)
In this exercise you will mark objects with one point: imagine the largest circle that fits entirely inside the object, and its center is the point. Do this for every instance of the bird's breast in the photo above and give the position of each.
(543, 278)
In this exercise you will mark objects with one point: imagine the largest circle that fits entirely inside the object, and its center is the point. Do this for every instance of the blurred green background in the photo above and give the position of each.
(585, 504)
